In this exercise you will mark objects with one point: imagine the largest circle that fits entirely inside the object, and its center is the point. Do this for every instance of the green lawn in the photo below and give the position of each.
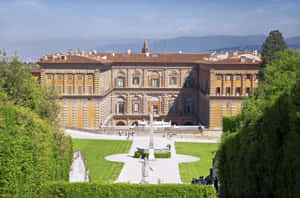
(205, 151)
(94, 151)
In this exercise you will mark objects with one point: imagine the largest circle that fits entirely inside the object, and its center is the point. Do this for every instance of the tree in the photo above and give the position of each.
(273, 44)
(261, 157)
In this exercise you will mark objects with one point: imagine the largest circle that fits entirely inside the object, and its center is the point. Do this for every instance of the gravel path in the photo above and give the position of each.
(163, 170)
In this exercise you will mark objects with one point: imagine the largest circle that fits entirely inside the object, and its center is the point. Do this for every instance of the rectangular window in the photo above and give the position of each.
(136, 107)
(238, 77)
(238, 91)
(219, 77)
(90, 89)
(121, 108)
(79, 89)
(90, 76)
(218, 91)
(173, 108)
(136, 80)
(154, 82)
(247, 91)
(70, 91)
(173, 80)
(228, 77)
(227, 91)
(59, 89)
(70, 76)
(120, 82)
(59, 76)
(248, 76)
(79, 76)
(49, 76)
(155, 109)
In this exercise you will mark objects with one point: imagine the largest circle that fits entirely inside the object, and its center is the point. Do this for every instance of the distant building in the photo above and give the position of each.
(122, 89)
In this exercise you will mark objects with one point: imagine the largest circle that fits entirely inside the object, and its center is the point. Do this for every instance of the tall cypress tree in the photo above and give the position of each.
(274, 43)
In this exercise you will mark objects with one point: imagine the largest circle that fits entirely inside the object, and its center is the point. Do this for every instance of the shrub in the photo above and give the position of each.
(162, 155)
(97, 190)
(138, 154)
(231, 123)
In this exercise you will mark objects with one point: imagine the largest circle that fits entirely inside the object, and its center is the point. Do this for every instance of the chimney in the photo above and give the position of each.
(129, 51)
(255, 53)
(147, 53)
(180, 52)
(95, 51)
(236, 52)
(243, 59)
(70, 51)
(77, 51)
(113, 54)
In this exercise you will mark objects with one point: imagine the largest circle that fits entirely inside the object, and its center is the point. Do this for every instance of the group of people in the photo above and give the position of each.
(201, 180)
(127, 133)
(207, 181)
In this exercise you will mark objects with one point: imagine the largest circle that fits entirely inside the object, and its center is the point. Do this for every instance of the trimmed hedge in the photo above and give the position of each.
(162, 155)
(138, 154)
(231, 123)
(97, 190)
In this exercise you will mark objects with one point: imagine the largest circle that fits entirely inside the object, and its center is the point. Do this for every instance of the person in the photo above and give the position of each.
(200, 180)
(216, 184)
(193, 181)
(120, 133)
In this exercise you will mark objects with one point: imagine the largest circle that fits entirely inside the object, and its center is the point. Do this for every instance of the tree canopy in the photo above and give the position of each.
(261, 158)
(33, 150)
(273, 44)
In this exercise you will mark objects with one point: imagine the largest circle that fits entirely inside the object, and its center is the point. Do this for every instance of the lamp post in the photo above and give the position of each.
(151, 139)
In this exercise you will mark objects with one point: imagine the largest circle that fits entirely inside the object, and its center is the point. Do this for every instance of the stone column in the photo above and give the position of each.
(233, 84)
(74, 85)
(252, 83)
(223, 85)
(243, 85)
(145, 105)
(129, 106)
(212, 86)
(97, 82)
(165, 79)
(65, 83)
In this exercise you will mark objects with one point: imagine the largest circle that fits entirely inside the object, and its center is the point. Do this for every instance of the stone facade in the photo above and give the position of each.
(101, 89)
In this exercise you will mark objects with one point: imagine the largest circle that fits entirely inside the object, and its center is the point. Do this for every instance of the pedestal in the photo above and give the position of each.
(151, 154)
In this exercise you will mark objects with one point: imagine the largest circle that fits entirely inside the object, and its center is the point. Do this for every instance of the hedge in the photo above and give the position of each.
(231, 123)
(138, 154)
(261, 159)
(97, 190)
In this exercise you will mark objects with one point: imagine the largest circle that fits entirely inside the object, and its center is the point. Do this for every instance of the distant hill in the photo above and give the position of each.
(36, 49)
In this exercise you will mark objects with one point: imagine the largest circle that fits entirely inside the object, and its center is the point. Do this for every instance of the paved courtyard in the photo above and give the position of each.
(162, 170)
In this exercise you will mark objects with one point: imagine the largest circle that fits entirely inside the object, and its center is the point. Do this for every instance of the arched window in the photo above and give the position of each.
(120, 82)
(121, 106)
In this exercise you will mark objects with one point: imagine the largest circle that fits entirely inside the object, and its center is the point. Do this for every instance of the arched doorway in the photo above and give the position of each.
(120, 123)
(135, 123)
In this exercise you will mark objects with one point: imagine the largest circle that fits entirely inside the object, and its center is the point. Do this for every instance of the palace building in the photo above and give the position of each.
(105, 89)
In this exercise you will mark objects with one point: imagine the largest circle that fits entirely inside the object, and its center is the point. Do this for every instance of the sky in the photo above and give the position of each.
(40, 20)
(153, 19)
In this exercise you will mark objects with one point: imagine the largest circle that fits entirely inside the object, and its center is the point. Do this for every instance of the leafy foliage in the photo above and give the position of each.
(138, 154)
(273, 44)
(32, 149)
(261, 159)
(231, 123)
(97, 190)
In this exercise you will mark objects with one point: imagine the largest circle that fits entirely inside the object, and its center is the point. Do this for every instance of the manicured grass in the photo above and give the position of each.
(94, 151)
(205, 151)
